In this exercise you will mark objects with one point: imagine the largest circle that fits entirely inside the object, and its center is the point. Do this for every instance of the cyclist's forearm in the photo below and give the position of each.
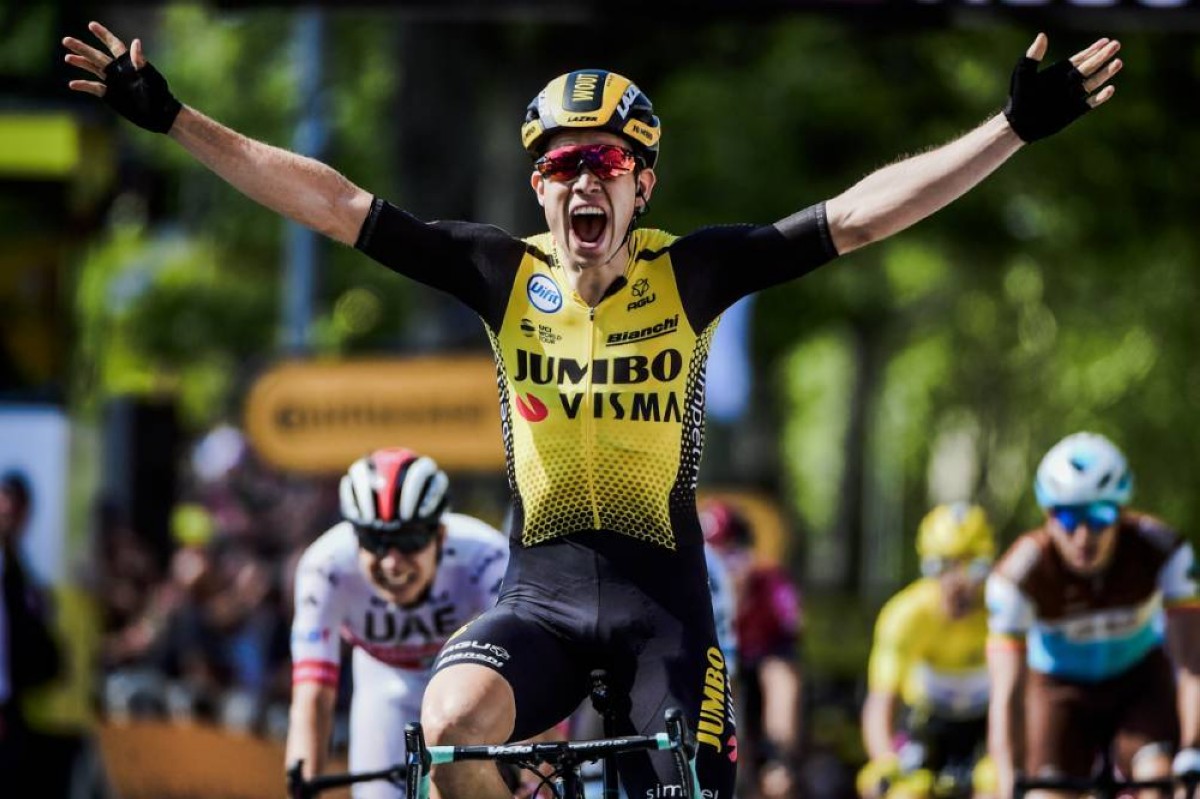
(897, 196)
(310, 725)
(1002, 741)
(878, 723)
(1183, 646)
(301, 189)
(1188, 701)
(781, 705)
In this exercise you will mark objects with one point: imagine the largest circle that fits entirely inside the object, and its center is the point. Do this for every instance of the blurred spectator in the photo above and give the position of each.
(29, 656)
(128, 579)
(208, 639)
(767, 630)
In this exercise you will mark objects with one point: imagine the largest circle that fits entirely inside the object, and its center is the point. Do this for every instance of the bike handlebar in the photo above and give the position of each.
(549, 752)
(300, 788)
(558, 754)
(1105, 784)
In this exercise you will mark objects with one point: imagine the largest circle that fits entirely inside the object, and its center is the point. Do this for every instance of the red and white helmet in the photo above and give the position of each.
(724, 526)
(391, 489)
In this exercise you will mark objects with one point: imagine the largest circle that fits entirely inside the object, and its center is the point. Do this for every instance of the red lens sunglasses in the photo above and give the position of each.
(605, 161)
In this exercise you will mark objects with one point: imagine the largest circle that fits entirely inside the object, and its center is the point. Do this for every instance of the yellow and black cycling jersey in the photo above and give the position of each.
(933, 662)
(602, 406)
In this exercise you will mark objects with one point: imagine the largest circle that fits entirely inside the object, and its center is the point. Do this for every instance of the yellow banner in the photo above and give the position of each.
(38, 145)
(317, 417)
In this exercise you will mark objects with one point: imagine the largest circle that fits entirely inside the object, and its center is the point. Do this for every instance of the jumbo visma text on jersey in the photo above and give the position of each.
(602, 407)
(603, 403)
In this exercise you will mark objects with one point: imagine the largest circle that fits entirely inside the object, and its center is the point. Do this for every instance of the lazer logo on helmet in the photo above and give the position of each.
(583, 118)
(627, 99)
(544, 293)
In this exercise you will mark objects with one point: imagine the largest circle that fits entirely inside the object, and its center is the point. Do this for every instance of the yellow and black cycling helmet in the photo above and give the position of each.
(956, 531)
(593, 99)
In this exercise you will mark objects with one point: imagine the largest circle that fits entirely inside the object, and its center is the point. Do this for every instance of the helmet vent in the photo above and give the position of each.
(1105, 480)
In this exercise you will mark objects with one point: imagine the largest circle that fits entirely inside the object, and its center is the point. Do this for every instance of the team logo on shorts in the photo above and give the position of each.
(544, 293)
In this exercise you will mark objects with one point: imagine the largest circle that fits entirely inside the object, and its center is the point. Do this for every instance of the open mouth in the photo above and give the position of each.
(396, 582)
(588, 223)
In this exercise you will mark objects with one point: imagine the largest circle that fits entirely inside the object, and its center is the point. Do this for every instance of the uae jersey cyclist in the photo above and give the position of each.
(395, 579)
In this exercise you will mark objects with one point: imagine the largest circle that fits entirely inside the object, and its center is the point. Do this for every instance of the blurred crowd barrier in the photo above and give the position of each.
(162, 760)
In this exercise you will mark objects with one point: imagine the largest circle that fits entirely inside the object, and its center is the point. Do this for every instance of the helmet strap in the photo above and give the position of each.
(638, 210)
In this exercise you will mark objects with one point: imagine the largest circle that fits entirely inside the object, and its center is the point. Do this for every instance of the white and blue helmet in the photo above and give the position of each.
(1083, 468)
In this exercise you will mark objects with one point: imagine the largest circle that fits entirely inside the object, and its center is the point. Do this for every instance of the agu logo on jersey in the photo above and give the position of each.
(544, 293)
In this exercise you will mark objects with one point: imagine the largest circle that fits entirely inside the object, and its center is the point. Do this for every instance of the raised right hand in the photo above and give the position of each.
(128, 82)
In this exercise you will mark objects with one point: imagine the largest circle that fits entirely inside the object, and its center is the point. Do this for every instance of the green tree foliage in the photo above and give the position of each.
(198, 303)
(943, 362)
(1056, 297)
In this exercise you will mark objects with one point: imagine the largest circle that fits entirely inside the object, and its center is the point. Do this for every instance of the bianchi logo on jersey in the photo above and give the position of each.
(544, 293)
(663, 328)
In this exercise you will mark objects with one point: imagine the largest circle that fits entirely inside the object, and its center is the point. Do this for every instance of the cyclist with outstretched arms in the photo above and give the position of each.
(1094, 635)
(924, 721)
(600, 331)
(394, 579)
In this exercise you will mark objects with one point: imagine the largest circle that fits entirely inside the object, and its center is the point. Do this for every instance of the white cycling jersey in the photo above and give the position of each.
(394, 647)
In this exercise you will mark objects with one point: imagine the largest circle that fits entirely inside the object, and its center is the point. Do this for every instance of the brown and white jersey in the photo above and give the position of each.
(1091, 627)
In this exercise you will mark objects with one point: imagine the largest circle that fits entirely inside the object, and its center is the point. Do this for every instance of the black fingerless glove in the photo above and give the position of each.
(140, 95)
(1045, 102)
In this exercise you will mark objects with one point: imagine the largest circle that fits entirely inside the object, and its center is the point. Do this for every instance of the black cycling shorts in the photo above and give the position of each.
(600, 600)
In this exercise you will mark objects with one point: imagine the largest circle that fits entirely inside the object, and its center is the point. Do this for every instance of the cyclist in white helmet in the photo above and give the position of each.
(1076, 616)
(395, 579)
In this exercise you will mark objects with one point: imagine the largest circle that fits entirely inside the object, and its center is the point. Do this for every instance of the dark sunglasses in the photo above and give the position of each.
(605, 161)
(1096, 516)
(408, 540)
(976, 569)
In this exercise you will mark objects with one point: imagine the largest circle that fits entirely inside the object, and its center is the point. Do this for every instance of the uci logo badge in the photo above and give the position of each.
(544, 294)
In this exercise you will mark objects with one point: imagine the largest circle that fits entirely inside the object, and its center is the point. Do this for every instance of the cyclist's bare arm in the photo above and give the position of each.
(301, 189)
(1183, 644)
(310, 723)
(878, 723)
(782, 685)
(897, 196)
(1006, 670)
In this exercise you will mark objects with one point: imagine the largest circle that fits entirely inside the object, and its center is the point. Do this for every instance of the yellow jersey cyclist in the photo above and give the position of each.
(928, 661)
(600, 331)
(1095, 638)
